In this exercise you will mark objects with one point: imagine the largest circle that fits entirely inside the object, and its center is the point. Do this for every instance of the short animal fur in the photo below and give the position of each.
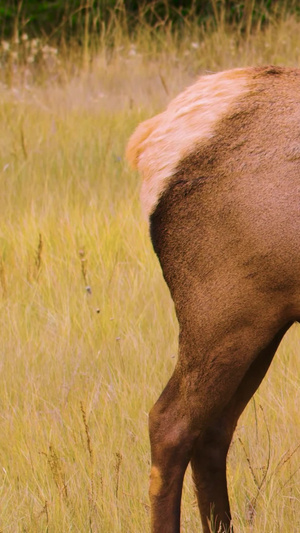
(221, 186)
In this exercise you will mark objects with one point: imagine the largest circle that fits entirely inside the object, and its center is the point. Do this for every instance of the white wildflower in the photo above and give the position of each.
(132, 50)
(5, 46)
(45, 49)
(35, 43)
(49, 50)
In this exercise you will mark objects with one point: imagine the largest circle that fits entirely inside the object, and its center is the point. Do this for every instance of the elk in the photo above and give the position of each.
(221, 188)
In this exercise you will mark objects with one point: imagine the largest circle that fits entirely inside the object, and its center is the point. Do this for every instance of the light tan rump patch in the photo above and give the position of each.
(160, 143)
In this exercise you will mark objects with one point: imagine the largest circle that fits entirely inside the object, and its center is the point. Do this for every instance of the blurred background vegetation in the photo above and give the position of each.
(61, 20)
(88, 330)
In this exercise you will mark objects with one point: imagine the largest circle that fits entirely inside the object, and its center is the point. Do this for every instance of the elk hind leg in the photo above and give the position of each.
(171, 438)
(210, 450)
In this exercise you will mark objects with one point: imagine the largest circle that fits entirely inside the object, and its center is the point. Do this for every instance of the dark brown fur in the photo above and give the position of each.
(226, 231)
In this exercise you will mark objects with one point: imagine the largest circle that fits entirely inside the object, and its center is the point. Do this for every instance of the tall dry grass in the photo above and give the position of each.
(88, 332)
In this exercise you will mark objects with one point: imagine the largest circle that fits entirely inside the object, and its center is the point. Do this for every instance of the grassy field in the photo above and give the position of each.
(88, 332)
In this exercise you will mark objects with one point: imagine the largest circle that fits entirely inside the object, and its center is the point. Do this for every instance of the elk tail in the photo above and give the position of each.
(138, 140)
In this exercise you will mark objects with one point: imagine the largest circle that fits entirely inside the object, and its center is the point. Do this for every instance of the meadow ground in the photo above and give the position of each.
(88, 332)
